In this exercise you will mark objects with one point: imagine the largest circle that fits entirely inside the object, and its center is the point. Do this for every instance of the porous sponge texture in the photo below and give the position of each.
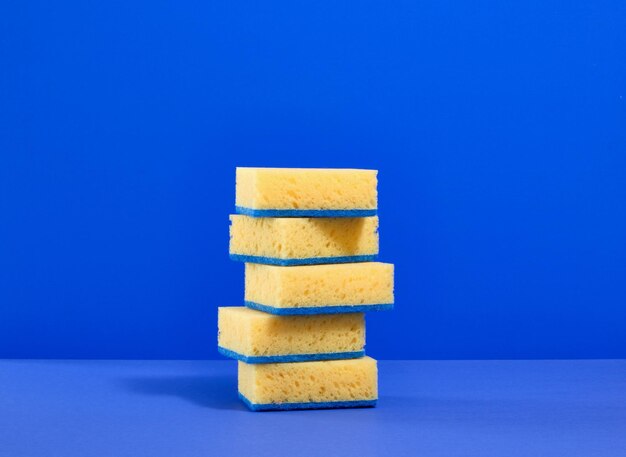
(304, 382)
(302, 188)
(365, 283)
(254, 333)
(303, 237)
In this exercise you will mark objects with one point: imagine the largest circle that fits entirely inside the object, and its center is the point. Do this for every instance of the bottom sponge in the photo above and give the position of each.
(308, 385)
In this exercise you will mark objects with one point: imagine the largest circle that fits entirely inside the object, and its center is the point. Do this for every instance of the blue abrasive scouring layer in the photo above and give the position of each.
(290, 357)
(311, 405)
(309, 261)
(318, 309)
(305, 212)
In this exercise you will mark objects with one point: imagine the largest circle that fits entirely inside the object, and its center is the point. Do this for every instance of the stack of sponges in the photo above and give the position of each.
(309, 238)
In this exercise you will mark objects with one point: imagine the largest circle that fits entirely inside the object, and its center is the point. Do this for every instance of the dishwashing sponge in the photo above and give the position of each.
(319, 289)
(307, 385)
(302, 192)
(256, 337)
(301, 241)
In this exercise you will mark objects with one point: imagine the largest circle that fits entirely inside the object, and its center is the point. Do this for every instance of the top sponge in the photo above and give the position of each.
(306, 192)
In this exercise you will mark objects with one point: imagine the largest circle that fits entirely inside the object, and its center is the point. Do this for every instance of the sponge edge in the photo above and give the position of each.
(302, 192)
(314, 310)
(307, 261)
(312, 405)
(299, 241)
(322, 384)
(290, 357)
(305, 212)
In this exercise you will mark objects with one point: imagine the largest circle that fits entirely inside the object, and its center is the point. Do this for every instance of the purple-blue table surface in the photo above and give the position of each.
(426, 408)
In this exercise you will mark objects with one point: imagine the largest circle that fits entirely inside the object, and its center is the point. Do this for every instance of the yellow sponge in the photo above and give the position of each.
(256, 337)
(325, 384)
(300, 241)
(319, 289)
(310, 192)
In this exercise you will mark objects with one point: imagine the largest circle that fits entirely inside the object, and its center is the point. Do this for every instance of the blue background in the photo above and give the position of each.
(499, 129)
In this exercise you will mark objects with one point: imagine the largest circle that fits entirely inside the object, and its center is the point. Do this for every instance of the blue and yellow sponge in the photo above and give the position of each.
(308, 385)
(320, 289)
(255, 337)
(306, 192)
(303, 241)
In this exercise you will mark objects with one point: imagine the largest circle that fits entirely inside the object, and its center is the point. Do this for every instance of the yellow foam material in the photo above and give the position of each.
(302, 237)
(302, 188)
(254, 333)
(303, 382)
(365, 283)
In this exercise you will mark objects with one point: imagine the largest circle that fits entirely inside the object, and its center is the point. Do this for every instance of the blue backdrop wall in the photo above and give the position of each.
(499, 129)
